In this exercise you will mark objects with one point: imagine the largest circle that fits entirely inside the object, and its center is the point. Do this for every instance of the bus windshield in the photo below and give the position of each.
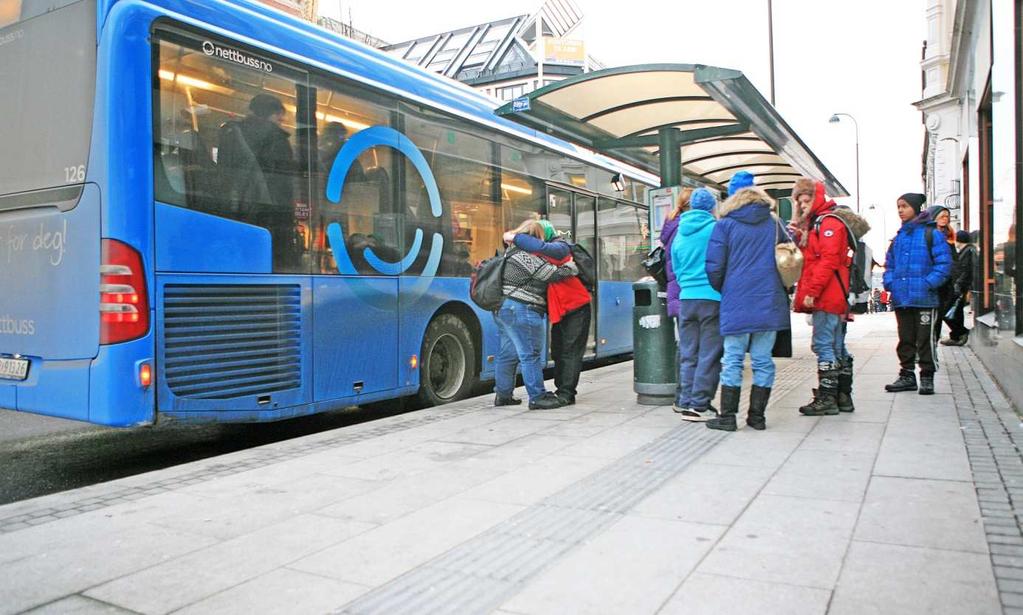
(48, 72)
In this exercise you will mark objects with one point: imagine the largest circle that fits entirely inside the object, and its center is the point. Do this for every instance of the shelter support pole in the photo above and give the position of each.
(669, 141)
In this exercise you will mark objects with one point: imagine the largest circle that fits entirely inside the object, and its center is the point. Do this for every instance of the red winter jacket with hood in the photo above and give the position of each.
(825, 252)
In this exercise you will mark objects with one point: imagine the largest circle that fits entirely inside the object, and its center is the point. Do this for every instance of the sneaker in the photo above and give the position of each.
(698, 415)
(547, 401)
(500, 400)
(677, 409)
(926, 385)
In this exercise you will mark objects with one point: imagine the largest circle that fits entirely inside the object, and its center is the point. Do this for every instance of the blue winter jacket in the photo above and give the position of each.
(740, 264)
(689, 255)
(668, 233)
(912, 273)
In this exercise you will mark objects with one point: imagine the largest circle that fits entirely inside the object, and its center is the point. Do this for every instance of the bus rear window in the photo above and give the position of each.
(48, 72)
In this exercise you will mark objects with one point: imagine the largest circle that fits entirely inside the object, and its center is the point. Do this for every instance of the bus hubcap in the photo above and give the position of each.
(447, 366)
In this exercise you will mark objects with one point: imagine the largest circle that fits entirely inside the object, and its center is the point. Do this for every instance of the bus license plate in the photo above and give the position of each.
(14, 369)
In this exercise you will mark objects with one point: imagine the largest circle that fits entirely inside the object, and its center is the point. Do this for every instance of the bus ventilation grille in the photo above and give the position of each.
(223, 342)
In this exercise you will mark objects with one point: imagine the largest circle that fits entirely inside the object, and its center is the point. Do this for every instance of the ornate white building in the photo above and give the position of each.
(941, 113)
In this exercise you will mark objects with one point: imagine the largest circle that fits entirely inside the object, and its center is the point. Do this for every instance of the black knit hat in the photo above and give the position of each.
(964, 237)
(915, 200)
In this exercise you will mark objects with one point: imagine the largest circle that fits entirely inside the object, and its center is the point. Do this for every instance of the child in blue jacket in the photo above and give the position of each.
(917, 264)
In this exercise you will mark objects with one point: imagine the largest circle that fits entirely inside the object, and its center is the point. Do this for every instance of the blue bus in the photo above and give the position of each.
(211, 211)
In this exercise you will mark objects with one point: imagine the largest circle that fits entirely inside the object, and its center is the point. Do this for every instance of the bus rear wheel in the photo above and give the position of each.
(447, 363)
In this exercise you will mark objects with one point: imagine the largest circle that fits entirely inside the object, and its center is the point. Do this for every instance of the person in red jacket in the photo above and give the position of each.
(568, 307)
(827, 238)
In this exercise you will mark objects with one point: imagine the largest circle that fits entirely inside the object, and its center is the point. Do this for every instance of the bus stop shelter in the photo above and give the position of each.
(676, 120)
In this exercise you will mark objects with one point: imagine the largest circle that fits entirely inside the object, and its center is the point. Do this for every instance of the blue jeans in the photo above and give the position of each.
(828, 341)
(699, 352)
(522, 330)
(760, 346)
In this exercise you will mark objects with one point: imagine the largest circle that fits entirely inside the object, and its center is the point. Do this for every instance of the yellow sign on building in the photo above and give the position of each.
(564, 51)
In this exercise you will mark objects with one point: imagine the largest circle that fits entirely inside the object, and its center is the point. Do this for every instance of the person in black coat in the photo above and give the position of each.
(257, 168)
(961, 281)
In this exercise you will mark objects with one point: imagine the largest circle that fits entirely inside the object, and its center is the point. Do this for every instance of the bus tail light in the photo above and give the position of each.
(123, 307)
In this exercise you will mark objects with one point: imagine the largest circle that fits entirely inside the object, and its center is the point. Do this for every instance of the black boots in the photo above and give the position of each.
(758, 397)
(729, 408)
(845, 382)
(501, 400)
(825, 400)
(926, 385)
(905, 382)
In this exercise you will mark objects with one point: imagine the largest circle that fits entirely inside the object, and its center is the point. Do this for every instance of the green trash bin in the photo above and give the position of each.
(655, 352)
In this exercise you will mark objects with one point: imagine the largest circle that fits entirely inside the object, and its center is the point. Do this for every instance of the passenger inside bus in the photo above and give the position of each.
(256, 165)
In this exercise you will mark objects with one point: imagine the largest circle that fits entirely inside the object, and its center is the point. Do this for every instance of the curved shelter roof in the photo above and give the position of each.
(723, 123)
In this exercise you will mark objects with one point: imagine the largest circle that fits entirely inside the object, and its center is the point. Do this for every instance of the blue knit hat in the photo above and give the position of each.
(742, 179)
(701, 198)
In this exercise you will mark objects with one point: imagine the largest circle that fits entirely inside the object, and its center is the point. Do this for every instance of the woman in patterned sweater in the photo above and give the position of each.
(521, 321)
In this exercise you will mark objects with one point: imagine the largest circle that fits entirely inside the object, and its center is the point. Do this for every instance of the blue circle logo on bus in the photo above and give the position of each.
(359, 143)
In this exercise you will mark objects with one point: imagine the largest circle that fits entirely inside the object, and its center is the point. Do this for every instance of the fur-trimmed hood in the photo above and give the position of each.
(855, 222)
(744, 197)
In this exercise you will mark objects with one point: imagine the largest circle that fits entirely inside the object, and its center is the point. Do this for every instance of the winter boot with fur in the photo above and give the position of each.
(725, 421)
(758, 397)
(825, 400)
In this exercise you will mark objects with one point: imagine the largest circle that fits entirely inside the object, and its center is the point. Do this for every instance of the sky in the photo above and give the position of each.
(831, 56)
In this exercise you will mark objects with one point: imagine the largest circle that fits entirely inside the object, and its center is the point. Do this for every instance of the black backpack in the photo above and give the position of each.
(585, 264)
(486, 286)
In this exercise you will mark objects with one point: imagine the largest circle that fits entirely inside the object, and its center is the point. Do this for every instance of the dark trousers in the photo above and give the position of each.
(956, 324)
(568, 345)
(916, 339)
(700, 347)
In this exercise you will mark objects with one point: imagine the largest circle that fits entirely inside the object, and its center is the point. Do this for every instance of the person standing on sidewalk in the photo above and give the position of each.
(520, 321)
(943, 224)
(568, 308)
(699, 327)
(754, 305)
(917, 263)
(827, 236)
(668, 232)
(962, 282)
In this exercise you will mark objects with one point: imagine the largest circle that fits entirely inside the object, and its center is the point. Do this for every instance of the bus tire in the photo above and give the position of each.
(447, 362)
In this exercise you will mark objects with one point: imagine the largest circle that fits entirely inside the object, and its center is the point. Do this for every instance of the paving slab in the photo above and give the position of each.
(781, 539)
(879, 578)
(922, 513)
(632, 566)
(711, 594)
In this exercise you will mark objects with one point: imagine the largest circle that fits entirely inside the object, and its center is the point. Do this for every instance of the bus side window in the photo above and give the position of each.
(367, 208)
(226, 144)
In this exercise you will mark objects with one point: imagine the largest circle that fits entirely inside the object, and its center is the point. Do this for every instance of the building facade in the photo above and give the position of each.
(972, 160)
(509, 57)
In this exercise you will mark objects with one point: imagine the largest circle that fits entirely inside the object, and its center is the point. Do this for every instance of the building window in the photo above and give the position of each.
(510, 92)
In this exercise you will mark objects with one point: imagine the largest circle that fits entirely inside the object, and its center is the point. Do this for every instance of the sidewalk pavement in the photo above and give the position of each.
(908, 505)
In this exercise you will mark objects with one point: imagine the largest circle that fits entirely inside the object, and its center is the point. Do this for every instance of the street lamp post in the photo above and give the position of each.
(834, 120)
